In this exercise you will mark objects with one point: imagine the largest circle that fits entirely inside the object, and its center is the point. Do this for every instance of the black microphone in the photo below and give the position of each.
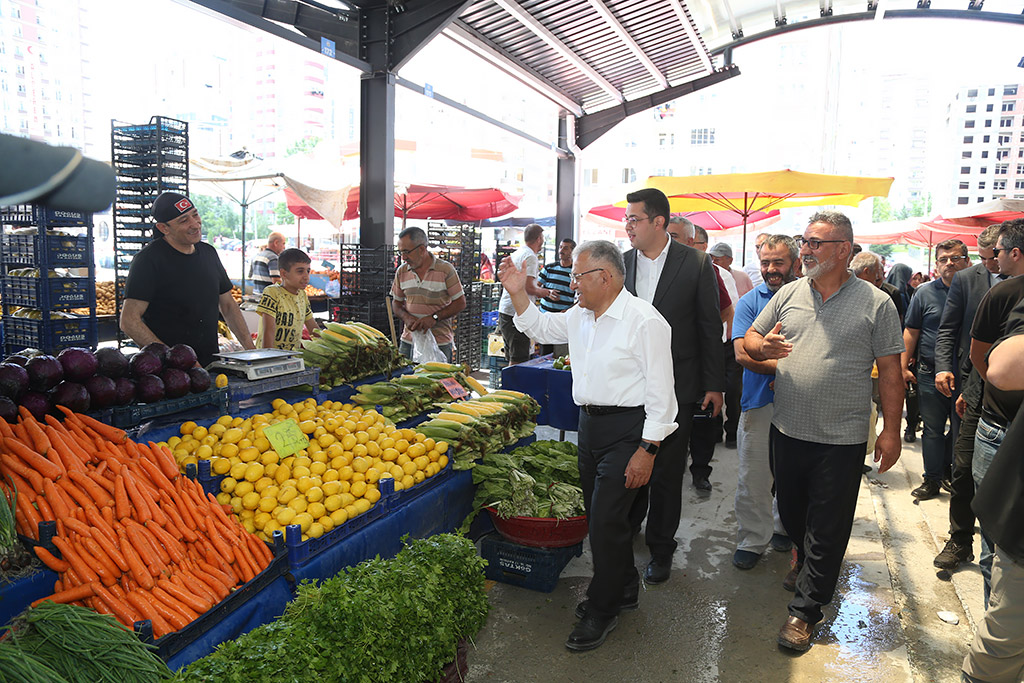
(56, 177)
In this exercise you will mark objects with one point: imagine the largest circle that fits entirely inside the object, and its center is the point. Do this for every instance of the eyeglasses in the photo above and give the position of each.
(996, 250)
(813, 243)
(950, 259)
(631, 221)
(406, 252)
(575, 277)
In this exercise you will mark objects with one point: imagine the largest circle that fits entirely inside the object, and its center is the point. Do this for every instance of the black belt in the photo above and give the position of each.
(993, 419)
(608, 410)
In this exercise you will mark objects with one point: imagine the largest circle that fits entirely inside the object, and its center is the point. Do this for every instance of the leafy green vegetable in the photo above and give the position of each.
(538, 480)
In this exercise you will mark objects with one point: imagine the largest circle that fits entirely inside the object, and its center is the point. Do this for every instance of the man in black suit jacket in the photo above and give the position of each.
(680, 282)
(954, 377)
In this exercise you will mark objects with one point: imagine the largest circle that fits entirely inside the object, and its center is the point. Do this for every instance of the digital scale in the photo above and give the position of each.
(259, 363)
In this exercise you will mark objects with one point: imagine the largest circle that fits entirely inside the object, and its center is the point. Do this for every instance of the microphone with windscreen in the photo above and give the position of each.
(56, 177)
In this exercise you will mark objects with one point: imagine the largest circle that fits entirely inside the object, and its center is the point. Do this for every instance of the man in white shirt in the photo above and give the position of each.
(753, 267)
(623, 383)
(517, 344)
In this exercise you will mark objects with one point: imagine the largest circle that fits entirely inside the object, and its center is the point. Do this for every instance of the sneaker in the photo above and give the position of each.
(927, 490)
(745, 559)
(952, 555)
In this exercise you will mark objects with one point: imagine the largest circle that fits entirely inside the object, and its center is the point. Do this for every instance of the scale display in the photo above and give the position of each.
(259, 363)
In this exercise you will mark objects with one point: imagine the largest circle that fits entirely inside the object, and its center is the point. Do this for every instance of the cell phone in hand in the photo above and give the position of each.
(703, 413)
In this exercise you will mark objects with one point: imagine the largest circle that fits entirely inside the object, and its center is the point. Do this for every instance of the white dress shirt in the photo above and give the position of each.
(648, 272)
(753, 270)
(619, 359)
(525, 259)
(730, 286)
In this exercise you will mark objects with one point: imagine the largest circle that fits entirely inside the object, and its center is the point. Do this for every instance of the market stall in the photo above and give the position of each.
(551, 387)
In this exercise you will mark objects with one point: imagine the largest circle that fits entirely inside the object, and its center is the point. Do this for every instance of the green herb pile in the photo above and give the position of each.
(16, 561)
(55, 643)
(539, 480)
(382, 620)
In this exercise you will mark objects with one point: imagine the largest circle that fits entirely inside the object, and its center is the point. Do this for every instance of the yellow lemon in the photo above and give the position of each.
(224, 498)
(360, 464)
(268, 504)
(443, 461)
(327, 523)
(372, 495)
(351, 510)
(233, 435)
(253, 471)
(249, 454)
(416, 450)
(220, 466)
(359, 450)
(441, 447)
(243, 487)
(286, 494)
(269, 457)
(228, 450)
(261, 443)
(418, 476)
(251, 500)
(358, 489)
(421, 462)
(298, 503)
(348, 441)
(217, 430)
(313, 494)
(305, 484)
(433, 455)
(362, 505)
(330, 488)
(332, 503)
(345, 473)
(389, 454)
(330, 475)
(358, 476)
(236, 505)
(316, 530)
(339, 517)
(300, 471)
(372, 475)
(261, 519)
(304, 520)
(227, 484)
(224, 420)
(285, 516)
(316, 510)
(409, 467)
(408, 481)
(187, 427)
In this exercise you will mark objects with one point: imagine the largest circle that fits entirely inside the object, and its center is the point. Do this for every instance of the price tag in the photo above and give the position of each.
(327, 264)
(286, 438)
(455, 390)
(327, 48)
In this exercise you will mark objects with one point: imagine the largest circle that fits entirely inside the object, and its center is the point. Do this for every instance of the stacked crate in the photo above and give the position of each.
(148, 159)
(365, 277)
(30, 241)
(460, 246)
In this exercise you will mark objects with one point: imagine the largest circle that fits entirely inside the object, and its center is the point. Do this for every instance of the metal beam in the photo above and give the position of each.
(691, 33)
(629, 41)
(538, 29)
(377, 132)
(470, 39)
(590, 127)
(565, 186)
(999, 17)
(419, 24)
(312, 22)
(448, 102)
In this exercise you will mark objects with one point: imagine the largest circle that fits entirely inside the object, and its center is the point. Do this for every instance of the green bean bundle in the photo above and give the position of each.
(18, 666)
(84, 646)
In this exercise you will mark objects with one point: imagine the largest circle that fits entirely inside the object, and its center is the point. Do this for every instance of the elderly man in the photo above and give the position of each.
(177, 287)
(427, 293)
(826, 330)
(721, 256)
(922, 326)
(517, 344)
(757, 515)
(264, 271)
(622, 381)
(956, 378)
(678, 281)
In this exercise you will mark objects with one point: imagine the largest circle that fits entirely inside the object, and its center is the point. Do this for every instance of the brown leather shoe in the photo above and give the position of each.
(795, 634)
(789, 583)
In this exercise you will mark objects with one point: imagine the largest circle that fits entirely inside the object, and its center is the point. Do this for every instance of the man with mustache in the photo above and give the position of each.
(826, 331)
(757, 515)
(177, 285)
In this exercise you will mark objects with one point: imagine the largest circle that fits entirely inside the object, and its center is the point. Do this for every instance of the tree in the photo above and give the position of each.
(283, 215)
(218, 215)
(881, 210)
(918, 208)
(883, 250)
(302, 146)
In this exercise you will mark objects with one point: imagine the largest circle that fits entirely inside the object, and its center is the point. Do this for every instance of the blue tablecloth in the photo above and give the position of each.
(551, 388)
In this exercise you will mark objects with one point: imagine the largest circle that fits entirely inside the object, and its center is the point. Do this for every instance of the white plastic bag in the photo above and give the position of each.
(425, 348)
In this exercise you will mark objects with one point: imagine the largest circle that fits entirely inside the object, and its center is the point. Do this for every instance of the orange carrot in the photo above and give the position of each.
(32, 517)
(72, 524)
(165, 460)
(98, 494)
(20, 485)
(226, 579)
(65, 452)
(105, 456)
(180, 531)
(114, 434)
(44, 509)
(124, 612)
(180, 606)
(136, 565)
(6, 429)
(71, 595)
(72, 557)
(56, 424)
(156, 475)
(19, 433)
(111, 550)
(35, 432)
(219, 589)
(54, 454)
(76, 493)
(32, 458)
(99, 522)
(71, 579)
(150, 539)
(90, 548)
(139, 600)
(169, 543)
(107, 513)
(176, 619)
(195, 594)
(154, 510)
(146, 550)
(106, 484)
(50, 560)
(140, 507)
(58, 586)
(121, 504)
(259, 550)
(14, 465)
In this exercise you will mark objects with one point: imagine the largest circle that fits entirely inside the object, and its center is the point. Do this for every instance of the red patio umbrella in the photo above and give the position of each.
(612, 215)
(444, 201)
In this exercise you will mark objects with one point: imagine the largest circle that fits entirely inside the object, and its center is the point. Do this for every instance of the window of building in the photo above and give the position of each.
(983, 170)
(984, 154)
(971, 108)
(1020, 169)
(1004, 139)
(1009, 90)
(998, 184)
(961, 200)
(702, 136)
(969, 123)
(986, 138)
(629, 175)
(1002, 169)
(965, 170)
(991, 92)
(981, 185)
(1018, 185)
(1008, 106)
(1006, 122)
(989, 107)
(965, 155)
(968, 139)
(965, 185)
(1003, 153)
(972, 93)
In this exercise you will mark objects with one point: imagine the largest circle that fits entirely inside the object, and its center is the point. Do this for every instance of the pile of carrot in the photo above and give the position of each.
(136, 539)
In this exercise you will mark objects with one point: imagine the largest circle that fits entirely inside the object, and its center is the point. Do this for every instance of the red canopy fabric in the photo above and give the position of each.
(299, 207)
(709, 220)
(429, 201)
(922, 236)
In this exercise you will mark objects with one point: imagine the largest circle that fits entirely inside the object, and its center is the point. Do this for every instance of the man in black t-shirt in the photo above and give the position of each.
(177, 285)
(990, 324)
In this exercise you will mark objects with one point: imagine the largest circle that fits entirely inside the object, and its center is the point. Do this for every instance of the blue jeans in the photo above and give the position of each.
(986, 443)
(936, 442)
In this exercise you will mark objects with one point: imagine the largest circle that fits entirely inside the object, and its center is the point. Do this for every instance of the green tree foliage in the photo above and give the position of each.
(219, 217)
(302, 146)
(883, 250)
(282, 215)
(881, 210)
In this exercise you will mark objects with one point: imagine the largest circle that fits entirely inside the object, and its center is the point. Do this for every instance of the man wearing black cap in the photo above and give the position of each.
(177, 285)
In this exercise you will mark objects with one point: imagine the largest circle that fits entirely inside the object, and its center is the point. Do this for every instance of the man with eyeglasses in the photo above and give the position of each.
(679, 282)
(622, 381)
(517, 344)
(427, 293)
(826, 330)
(956, 378)
(922, 326)
(991, 323)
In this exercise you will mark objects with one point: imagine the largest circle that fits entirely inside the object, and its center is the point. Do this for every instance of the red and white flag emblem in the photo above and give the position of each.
(183, 205)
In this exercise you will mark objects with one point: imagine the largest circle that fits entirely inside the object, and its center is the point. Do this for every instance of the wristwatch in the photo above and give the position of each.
(435, 317)
(649, 447)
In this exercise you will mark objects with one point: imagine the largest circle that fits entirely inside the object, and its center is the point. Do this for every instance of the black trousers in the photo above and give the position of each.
(733, 391)
(816, 486)
(661, 500)
(606, 443)
(961, 516)
(705, 432)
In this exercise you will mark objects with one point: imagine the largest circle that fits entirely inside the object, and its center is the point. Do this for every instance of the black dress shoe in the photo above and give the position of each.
(953, 555)
(909, 436)
(657, 571)
(927, 490)
(590, 633)
(702, 484)
(781, 543)
(630, 601)
(730, 442)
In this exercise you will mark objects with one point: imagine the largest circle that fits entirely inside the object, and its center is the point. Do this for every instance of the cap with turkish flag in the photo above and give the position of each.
(170, 205)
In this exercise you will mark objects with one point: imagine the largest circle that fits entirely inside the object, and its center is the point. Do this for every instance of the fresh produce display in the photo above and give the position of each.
(483, 425)
(82, 380)
(15, 560)
(382, 621)
(106, 300)
(334, 479)
(407, 396)
(538, 480)
(59, 643)
(135, 539)
(562, 363)
(313, 291)
(350, 351)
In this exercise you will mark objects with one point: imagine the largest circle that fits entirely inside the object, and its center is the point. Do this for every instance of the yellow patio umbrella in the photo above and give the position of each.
(746, 193)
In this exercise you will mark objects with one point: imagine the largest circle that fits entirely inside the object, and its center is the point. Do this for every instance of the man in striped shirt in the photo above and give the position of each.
(427, 293)
(555, 278)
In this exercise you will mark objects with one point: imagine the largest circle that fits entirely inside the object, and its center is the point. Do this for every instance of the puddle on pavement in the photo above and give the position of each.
(864, 624)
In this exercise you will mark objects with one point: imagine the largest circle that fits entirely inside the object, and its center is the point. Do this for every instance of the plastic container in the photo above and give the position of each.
(200, 471)
(49, 293)
(406, 496)
(535, 568)
(541, 532)
(48, 335)
(59, 251)
(489, 319)
(456, 671)
(132, 415)
(240, 389)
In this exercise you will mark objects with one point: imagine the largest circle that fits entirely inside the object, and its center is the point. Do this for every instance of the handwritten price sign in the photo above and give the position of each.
(286, 438)
(455, 390)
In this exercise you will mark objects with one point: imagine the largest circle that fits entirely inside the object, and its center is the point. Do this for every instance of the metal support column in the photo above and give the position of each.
(377, 159)
(565, 188)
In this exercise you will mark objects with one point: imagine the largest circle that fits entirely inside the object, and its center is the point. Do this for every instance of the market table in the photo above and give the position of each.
(551, 388)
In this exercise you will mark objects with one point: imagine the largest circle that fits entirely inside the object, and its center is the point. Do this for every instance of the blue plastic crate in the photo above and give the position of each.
(207, 479)
(131, 415)
(535, 568)
(47, 250)
(48, 335)
(49, 293)
(240, 389)
(406, 496)
(489, 319)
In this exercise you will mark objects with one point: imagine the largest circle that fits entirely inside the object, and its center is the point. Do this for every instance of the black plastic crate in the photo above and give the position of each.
(49, 293)
(135, 414)
(48, 335)
(60, 251)
(535, 568)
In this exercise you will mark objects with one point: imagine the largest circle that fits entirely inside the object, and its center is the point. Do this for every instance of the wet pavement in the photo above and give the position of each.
(714, 622)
